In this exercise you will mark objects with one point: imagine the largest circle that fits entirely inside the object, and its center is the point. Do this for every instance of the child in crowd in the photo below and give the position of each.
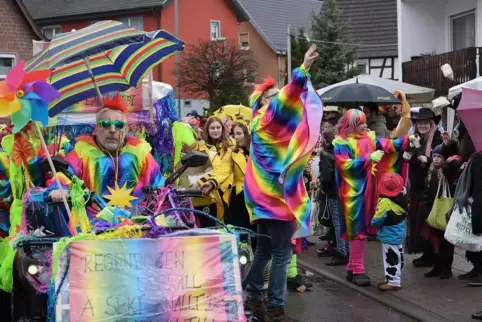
(444, 172)
(389, 219)
(328, 185)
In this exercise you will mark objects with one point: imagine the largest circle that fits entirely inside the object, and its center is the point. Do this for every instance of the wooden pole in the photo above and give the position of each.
(52, 167)
(151, 108)
(97, 90)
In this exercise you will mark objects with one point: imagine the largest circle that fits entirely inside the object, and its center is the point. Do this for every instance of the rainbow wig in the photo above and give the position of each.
(254, 99)
(350, 121)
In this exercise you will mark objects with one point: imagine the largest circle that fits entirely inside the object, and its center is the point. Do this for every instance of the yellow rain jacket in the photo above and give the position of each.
(222, 176)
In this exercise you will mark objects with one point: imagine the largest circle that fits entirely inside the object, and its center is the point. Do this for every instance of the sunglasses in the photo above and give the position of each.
(118, 125)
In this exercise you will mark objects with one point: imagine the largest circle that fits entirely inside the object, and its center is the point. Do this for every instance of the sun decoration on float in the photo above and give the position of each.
(120, 197)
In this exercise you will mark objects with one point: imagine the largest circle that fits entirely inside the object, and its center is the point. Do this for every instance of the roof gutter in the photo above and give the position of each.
(94, 16)
(259, 30)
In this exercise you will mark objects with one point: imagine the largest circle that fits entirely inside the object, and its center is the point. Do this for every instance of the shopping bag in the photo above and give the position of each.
(459, 230)
(315, 227)
(441, 206)
(324, 214)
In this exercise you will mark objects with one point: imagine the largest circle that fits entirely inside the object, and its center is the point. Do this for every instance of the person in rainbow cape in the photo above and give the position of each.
(359, 155)
(284, 132)
(110, 163)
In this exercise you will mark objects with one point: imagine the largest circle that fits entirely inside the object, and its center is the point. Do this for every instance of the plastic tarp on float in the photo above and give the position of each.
(190, 276)
(138, 102)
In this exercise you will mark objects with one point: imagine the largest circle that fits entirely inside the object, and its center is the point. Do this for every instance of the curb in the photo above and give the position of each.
(402, 306)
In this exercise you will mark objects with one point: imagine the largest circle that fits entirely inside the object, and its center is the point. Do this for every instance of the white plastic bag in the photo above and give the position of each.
(315, 226)
(459, 230)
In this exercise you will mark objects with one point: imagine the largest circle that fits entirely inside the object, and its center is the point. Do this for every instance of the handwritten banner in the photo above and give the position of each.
(182, 278)
(132, 97)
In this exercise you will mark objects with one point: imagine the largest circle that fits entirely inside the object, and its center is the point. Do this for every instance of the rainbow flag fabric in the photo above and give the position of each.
(356, 178)
(173, 278)
(284, 134)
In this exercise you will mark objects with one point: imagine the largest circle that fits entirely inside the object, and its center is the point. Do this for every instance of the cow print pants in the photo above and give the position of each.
(393, 263)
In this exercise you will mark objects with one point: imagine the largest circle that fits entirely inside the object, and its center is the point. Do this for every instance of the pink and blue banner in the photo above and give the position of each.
(132, 97)
(180, 278)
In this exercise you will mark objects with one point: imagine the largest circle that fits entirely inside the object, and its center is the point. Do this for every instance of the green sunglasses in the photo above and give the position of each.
(118, 125)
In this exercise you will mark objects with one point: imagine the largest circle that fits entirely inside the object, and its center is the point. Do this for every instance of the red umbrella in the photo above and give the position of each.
(470, 112)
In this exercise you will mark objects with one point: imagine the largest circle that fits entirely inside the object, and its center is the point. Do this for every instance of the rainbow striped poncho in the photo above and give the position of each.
(135, 165)
(357, 181)
(284, 134)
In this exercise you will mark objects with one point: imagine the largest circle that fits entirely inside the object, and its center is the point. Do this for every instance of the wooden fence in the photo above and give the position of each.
(426, 72)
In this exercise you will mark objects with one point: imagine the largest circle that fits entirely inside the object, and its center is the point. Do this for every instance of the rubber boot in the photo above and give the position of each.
(437, 269)
(428, 257)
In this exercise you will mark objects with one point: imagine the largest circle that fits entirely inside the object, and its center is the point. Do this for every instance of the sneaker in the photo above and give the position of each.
(446, 274)
(423, 261)
(477, 315)
(298, 284)
(338, 261)
(361, 280)
(435, 272)
(326, 251)
(277, 314)
(254, 309)
(349, 276)
(472, 275)
(384, 287)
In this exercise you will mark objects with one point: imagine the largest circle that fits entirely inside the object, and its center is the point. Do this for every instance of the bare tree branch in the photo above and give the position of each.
(219, 70)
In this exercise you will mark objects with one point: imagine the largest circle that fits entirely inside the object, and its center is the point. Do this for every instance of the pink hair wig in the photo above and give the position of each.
(350, 121)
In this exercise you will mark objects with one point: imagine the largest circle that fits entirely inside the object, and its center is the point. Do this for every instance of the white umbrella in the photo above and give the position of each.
(474, 84)
(412, 92)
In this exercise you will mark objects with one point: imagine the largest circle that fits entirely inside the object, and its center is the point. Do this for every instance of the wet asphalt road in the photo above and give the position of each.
(329, 301)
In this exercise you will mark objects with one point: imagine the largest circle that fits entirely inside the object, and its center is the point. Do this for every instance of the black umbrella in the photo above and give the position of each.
(358, 94)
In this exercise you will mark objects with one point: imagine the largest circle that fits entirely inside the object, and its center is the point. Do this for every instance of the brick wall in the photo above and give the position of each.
(15, 33)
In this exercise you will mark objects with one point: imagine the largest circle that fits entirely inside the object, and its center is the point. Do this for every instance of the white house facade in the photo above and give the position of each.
(428, 27)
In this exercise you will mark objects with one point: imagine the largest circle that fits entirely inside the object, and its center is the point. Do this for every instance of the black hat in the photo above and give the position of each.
(193, 113)
(425, 114)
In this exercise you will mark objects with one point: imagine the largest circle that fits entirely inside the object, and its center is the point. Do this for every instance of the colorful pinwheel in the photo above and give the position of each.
(25, 96)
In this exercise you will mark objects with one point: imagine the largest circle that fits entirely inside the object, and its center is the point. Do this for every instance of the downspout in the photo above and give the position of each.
(279, 69)
(157, 15)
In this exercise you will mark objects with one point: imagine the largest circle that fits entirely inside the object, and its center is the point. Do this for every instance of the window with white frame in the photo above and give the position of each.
(463, 30)
(244, 41)
(51, 31)
(215, 29)
(134, 22)
(7, 62)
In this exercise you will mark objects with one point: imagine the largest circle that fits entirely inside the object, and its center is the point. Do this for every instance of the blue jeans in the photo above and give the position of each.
(279, 249)
(342, 246)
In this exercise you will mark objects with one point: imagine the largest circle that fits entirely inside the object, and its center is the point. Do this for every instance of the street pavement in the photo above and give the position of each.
(329, 301)
(450, 300)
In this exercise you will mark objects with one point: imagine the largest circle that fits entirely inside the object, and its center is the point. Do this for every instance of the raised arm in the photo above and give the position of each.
(287, 101)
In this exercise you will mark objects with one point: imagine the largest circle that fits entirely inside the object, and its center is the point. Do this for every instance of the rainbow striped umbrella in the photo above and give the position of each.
(117, 69)
(75, 46)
